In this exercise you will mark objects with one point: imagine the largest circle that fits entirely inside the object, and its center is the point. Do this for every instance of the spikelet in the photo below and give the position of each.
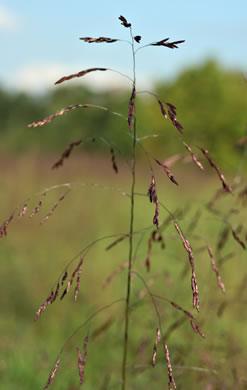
(3, 228)
(131, 114)
(52, 375)
(154, 357)
(221, 176)
(37, 208)
(79, 74)
(194, 158)
(66, 154)
(197, 329)
(76, 271)
(124, 21)
(216, 270)
(115, 273)
(153, 198)
(58, 113)
(223, 238)
(147, 261)
(167, 171)
(149, 283)
(188, 249)
(138, 38)
(65, 275)
(78, 280)
(236, 237)
(113, 159)
(187, 313)
(162, 108)
(22, 211)
(157, 237)
(115, 242)
(82, 362)
(80, 366)
(175, 122)
(171, 381)
(50, 299)
(102, 328)
(99, 40)
(164, 42)
(54, 207)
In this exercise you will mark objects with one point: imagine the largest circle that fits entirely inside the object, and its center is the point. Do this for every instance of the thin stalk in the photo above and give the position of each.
(131, 230)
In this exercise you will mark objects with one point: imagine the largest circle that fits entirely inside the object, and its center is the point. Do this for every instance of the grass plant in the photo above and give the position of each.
(138, 306)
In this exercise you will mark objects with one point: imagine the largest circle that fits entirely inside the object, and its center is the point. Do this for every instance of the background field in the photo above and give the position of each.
(34, 255)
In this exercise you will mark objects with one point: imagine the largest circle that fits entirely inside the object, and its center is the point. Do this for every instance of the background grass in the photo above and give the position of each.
(34, 255)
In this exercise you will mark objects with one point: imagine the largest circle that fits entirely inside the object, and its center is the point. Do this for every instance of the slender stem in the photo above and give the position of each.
(126, 328)
(131, 230)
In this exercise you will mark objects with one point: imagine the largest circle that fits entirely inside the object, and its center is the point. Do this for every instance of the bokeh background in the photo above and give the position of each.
(206, 80)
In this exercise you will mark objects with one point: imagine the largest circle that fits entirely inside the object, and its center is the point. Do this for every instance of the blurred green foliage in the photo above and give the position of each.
(211, 105)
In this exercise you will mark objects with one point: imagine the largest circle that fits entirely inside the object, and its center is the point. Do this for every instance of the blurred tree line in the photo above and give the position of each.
(211, 105)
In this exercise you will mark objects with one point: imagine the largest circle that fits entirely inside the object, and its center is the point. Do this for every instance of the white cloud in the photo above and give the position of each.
(8, 20)
(38, 77)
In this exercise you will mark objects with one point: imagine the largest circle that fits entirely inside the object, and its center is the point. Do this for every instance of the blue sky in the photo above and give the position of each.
(39, 39)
